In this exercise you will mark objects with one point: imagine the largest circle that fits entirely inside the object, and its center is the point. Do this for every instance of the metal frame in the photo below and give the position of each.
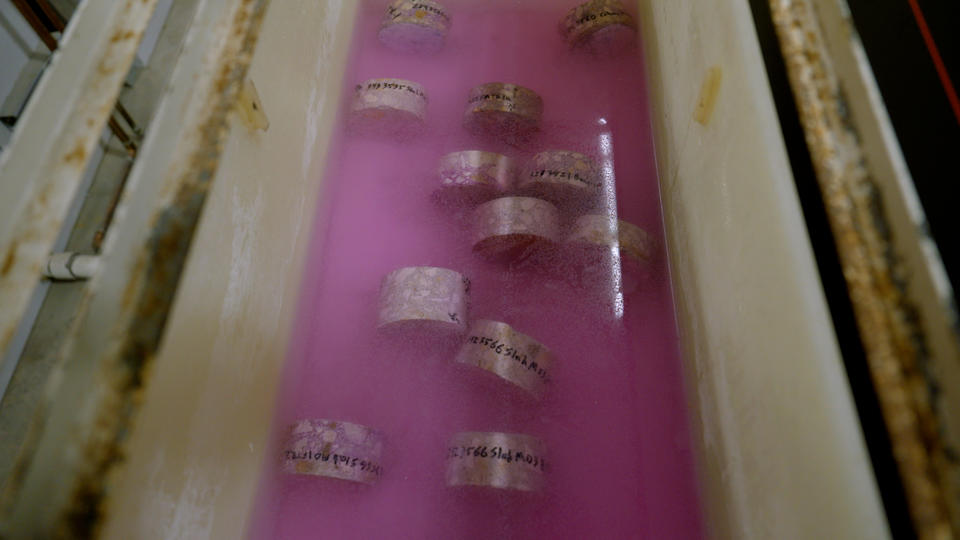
(59, 485)
(901, 297)
(49, 152)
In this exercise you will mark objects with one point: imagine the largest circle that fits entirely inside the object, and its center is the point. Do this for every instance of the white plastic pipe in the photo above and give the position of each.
(70, 266)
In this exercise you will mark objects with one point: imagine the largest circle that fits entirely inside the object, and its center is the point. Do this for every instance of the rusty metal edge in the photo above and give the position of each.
(163, 259)
(893, 337)
(54, 141)
(147, 298)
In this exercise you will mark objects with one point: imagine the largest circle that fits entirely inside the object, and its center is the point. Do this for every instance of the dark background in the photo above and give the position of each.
(928, 130)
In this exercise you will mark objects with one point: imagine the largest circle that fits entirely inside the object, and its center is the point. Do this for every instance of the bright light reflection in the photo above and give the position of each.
(610, 211)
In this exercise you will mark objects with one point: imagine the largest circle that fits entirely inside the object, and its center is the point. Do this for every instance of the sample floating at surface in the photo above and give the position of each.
(513, 357)
(393, 107)
(503, 110)
(415, 26)
(603, 27)
(424, 299)
(474, 176)
(496, 460)
(565, 178)
(514, 227)
(334, 449)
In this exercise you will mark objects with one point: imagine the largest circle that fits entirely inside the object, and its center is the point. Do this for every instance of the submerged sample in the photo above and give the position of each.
(506, 111)
(516, 358)
(511, 228)
(496, 460)
(603, 27)
(594, 238)
(389, 107)
(473, 176)
(424, 298)
(414, 26)
(563, 177)
(335, 449)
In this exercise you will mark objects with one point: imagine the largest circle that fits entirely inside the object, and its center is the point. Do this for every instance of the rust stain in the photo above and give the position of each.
(8, 260)
(103, 68)
(129, 292)
(7, 336)
(708, 95)
(148, 296)
(76, 156)
(80, 515)
(249, 108)
(893, 340)
(122, 35)
(44, 195)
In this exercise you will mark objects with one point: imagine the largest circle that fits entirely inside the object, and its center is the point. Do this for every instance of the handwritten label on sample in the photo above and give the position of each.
(510, 352)
(496, 452)
(336, 459)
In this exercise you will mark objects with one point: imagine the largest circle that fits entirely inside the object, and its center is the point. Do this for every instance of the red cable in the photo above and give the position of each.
(935, 56)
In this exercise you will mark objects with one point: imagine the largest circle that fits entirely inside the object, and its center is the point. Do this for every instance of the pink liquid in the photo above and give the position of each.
(614, 421)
